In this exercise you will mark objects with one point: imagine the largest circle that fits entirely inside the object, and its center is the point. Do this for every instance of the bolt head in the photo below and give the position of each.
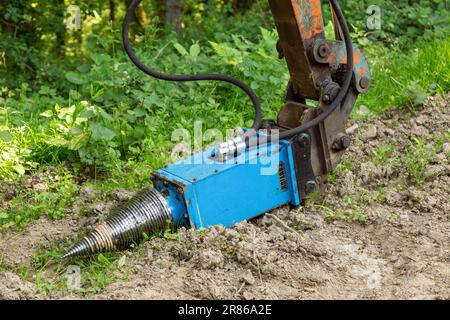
(304, 139)
(345, 142)
(342, 142)
(310, 187)
(364, 83)
(323, 51)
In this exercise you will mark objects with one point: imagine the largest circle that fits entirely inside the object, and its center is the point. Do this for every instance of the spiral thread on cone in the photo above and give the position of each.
(147, 212)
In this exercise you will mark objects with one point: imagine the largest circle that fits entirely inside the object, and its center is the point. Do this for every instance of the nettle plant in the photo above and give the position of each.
(117, 113)
(14, 152)
(402, 21)
(86, 129)
(258, 64)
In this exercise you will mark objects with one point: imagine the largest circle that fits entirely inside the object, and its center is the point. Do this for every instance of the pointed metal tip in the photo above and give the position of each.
(147, 212)
(66, 255)
(77, 250)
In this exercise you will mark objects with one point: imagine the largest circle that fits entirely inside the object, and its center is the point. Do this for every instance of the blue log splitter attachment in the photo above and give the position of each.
(260, 179)
(276, 162)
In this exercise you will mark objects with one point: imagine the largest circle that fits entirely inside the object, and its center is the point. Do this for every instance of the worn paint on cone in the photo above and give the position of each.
(147, 212)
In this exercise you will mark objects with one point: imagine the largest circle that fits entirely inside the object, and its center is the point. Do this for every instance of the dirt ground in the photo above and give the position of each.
(377, 233)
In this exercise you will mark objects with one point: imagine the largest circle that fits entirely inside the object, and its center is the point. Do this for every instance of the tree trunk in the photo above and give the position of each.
(60, 32)
(112, 10)
(174, 13)
(242, 5)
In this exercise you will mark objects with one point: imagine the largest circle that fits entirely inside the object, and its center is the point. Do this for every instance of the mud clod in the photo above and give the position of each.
(248, 278)
(210, 259)
(14, 288)
(370, 133)
(446, 148)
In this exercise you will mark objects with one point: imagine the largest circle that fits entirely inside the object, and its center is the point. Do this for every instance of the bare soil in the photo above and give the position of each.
(377, 233)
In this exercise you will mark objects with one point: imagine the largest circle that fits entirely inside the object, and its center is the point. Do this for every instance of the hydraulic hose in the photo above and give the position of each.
(255, 101)
(185, 78)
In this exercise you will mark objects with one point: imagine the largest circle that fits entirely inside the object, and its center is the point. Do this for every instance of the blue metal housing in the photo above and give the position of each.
(203, 192)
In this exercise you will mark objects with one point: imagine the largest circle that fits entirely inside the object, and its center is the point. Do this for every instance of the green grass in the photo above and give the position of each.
(417, 159)
(48, 272)
(105, 117)
(2, 263)
(382, 154)
(113, 123)
(399, 78)
(351, 215)
(54, 200)
(406, 78)
(96, 272)
(343, 166)
(118, 126)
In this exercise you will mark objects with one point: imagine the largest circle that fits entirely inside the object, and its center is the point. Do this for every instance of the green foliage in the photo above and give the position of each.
(14, 152)
(84, 103)
(102, 112)
(343, 167)
(402, 21)
(85, 129)
(417, 159)
(100, 271)
(96, 273)
(51, 195)
(30, 30)
(401, 78)
(72, 100)
(351, 215)
(216, 20)
(382, 154)
(259, 64)
(115, 113)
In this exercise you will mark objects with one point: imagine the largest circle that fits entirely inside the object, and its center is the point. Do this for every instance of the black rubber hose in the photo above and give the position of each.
(219, 77)
(185, 78)
(336, 102)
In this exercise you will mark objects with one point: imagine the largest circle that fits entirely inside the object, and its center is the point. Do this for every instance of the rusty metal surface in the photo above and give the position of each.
(334, 53)
(290, 114)
(316, 66)
(299, 24)
(308, 14)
